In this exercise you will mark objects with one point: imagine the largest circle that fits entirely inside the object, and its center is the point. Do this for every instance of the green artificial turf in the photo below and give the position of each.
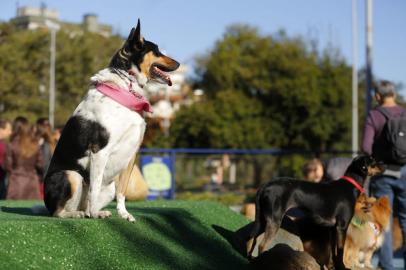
(166, 235)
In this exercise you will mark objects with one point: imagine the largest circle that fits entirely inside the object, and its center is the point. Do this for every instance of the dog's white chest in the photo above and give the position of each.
(125, 129)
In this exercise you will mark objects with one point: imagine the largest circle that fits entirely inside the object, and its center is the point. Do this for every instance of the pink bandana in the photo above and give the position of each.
(128, 98)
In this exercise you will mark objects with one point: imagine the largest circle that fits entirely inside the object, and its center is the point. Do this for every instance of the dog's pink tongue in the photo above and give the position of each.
(164, 76)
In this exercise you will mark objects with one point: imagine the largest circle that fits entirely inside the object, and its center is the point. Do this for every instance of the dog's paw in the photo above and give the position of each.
(99, 214)
(103, 214)
(126, 216)
(78, 214)
(130, 218)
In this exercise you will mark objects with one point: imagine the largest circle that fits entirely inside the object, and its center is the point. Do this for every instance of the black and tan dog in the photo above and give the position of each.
(329, 204)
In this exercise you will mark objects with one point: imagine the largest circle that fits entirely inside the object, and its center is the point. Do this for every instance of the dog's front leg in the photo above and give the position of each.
(121, 209)
(339, 256)
(98, 163)
(123, 180)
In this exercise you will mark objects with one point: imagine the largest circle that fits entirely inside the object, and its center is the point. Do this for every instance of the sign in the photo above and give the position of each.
(158, 173)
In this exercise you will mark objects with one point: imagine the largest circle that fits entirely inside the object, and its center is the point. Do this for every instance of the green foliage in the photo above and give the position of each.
(22, 64)
(268, 91)
(24, 70)
(78, 58)
(231, 120)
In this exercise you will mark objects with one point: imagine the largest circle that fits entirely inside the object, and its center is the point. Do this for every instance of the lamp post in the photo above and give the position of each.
(369, 76)
(354, 79)
(53, 27)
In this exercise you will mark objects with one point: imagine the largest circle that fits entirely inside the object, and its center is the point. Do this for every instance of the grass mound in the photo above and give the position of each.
(166, 235)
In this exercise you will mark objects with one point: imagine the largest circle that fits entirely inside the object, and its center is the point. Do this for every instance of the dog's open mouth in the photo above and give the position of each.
(159, 72)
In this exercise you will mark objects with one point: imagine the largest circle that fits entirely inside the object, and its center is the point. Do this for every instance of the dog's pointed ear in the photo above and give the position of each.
(138, 40)
(135, 39)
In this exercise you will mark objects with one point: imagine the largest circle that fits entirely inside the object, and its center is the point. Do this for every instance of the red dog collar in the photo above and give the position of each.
(352, 181)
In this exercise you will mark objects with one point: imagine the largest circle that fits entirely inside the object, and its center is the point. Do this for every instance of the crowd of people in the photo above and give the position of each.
(25, 152)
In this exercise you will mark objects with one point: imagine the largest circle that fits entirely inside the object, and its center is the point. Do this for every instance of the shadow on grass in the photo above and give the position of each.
(25, 211)
(162, 238)
(179, 241)
(232, 238)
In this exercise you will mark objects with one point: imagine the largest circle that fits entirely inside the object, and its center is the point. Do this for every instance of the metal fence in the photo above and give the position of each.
(196, 169)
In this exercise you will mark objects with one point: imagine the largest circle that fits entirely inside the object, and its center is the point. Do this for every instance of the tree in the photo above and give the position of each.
(231, 120)
(78, 58)
(24, 70)
(268, 92)
(22, 64)
(303, 98)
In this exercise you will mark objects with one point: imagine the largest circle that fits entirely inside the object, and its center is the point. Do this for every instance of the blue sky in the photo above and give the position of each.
(185, 29)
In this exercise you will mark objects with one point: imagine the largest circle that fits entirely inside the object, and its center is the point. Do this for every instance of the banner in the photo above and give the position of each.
(158, 173)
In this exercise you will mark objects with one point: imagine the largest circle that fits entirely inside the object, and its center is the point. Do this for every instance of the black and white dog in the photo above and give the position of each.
(105, 132)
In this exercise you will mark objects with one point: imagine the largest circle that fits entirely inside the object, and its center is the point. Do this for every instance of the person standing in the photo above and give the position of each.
(23, 160)
(5, 133)
(375, 144)
(47, 143)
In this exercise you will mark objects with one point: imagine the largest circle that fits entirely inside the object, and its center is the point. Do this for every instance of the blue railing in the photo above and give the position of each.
(211, 151)
(172, 153)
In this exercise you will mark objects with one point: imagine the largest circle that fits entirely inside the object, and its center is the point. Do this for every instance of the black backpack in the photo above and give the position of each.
(390, 146)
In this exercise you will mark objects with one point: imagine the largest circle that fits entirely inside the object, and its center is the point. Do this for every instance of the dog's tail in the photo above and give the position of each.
(258, 225)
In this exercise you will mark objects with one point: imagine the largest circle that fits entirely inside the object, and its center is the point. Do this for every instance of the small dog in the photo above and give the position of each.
(104, 132)
(365, 233)
(329, 204)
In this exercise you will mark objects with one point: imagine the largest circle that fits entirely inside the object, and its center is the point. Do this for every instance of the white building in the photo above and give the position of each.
(32, 18)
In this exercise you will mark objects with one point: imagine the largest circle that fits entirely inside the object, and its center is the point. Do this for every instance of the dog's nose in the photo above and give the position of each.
(176, 64)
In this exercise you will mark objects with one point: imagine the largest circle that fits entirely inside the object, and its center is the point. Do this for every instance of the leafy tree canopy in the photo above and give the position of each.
(268, 91)
(24, 70)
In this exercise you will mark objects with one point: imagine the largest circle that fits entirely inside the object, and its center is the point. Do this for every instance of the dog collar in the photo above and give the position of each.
(126, 97)
(357, 222)
(352, 181)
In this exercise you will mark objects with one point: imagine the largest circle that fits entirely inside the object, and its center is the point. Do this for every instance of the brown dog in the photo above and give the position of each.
(365, 234)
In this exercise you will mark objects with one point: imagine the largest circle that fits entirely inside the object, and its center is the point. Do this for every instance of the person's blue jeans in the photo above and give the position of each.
(395, 189)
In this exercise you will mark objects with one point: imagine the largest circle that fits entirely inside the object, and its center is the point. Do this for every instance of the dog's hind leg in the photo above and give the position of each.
(71, 207)
(271, 228)
(257, 229)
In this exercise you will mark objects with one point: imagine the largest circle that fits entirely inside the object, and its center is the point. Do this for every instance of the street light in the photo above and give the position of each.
(53, 27)
(354, 79)
(369, 79)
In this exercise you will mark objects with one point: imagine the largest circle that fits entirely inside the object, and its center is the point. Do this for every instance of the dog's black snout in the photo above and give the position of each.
(177, 64)
(381, 166)
(173, 64)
